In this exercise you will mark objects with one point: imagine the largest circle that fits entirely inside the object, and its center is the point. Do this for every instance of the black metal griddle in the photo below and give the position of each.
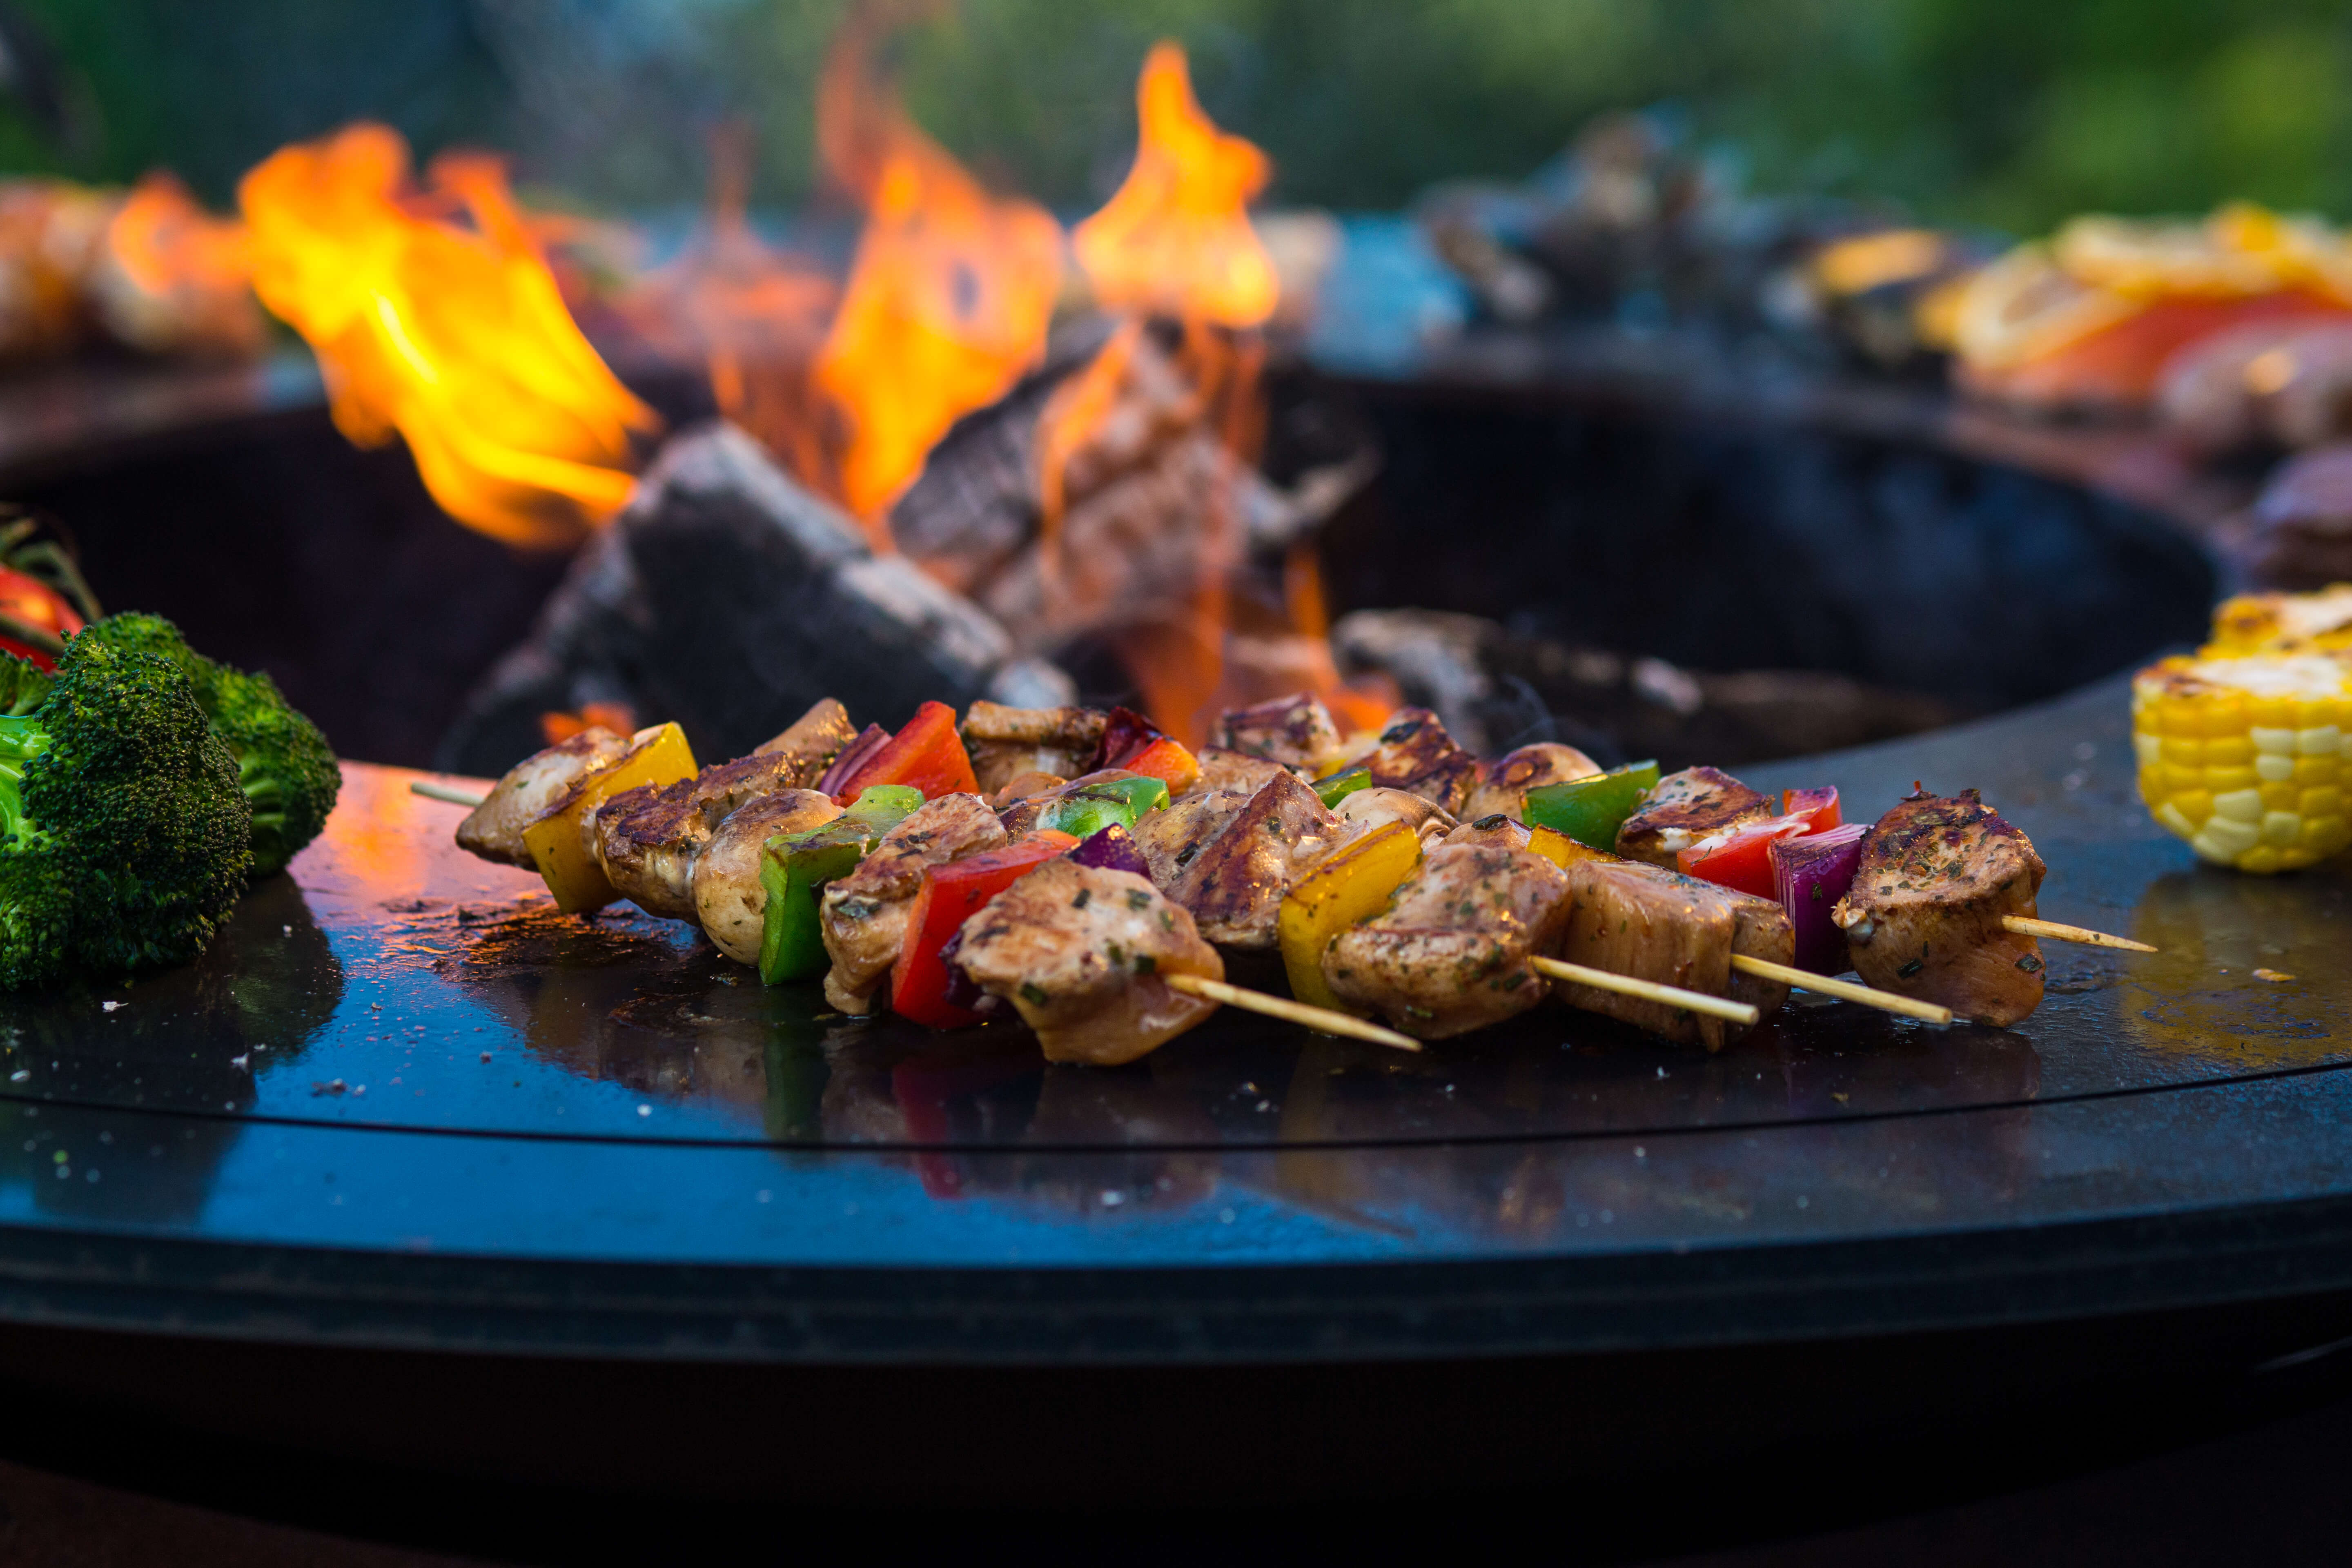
(413, 1176)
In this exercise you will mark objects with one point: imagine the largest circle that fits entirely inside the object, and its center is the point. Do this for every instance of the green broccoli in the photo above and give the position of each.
(285, 765)
(124, 836)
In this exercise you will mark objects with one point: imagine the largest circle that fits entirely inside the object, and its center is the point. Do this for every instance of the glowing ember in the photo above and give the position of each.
(454, 336)
(948, 299)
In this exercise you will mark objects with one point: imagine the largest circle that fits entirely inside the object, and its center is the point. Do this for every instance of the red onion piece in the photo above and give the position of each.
(870, 739)
(1811, 875)
(1112, 848)
(962, 991)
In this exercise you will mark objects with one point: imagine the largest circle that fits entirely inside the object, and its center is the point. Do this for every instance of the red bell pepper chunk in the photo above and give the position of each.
(928, 753)
(1134, 743)
(951, 894)
(1818, 806)
(1741, 859)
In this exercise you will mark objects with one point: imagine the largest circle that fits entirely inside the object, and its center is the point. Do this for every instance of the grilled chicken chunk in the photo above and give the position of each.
(1684, 808)
(1235, 885)
(1923, 918)
(1005, 742)
(1504, 784)
(1170, 838)
(1450, 953)
(1415, 755)
(1654, 924)
(1296, 731)
(728, 897)
(1082, 954)
(812, 741)
(648, 837)
(1368, 809)
(1236, 770)
(1022, 787)
(863, 918)
(493, 829)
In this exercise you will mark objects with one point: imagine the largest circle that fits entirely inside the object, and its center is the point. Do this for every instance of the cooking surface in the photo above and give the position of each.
(404, 1048)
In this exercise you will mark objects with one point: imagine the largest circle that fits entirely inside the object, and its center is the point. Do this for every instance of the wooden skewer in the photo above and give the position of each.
(1323, 1018)
(2025, 926)
(1648, 990)
(1844, 990)
(443, 792)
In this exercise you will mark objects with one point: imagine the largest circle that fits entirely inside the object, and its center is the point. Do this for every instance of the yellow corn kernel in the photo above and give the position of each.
(2261, 860)
(2180, 779)
(2196, 805)
(2220, 716)
(2317, 713)
(2325, 801)
(2326, 835)
(2184, 751)
(2279, 797)
(2270, 713)
(2227, 781)
(2310, 770)
(2230, 751)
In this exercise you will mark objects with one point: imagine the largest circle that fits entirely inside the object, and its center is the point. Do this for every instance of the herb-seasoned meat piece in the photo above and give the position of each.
(1235, 886)
(863, 918)
(1923, 918)
(728, 898)
(1450, 953)
(1366, 809)
(1005, 742)
(1236, 770)
(1654, 924)
(813, 740)
(647, 837)
(1173, 836)
(1295, 731)
(1082, 954)
(1684, 808)
(1415, 755)
(493, 829)
(1503, 785)
(1024, 787)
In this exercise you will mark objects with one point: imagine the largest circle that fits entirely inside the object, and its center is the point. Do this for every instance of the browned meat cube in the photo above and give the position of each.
(1503, 786)
(1024, 787)
(1083, 955)
(647, 837)
(1653, 924)
(1236, 770)
(1450, 953)
(728, 897)
(812, 741)
(1684, 808)
(1415, 755)
(1235, 886)
(493, 829)
(863, 917)
(1295, 731)
(1005, 742)
(1173, 836)
(1366, 809)
(1761, 928)
(1923, 918)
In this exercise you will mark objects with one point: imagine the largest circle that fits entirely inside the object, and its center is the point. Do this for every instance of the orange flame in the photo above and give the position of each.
(948, 299)
(455, 337)
(1175, 239)
(177, 278)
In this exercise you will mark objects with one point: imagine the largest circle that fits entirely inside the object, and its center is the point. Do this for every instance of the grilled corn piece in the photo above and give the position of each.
(2243, 757)
(2283, 623)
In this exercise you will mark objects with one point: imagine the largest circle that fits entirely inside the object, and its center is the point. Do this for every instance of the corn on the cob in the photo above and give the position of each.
(2283, 623)
(2243, 757)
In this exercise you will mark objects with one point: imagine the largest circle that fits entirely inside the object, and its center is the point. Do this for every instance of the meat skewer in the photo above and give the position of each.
(1322, 1019)
(1650, 990)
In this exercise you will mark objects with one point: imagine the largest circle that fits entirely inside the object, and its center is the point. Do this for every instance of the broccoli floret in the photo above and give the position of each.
(127, 838)
(284, 764)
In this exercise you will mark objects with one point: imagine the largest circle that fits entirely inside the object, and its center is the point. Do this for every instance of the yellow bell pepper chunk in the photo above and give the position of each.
(1561, 850)
(1351, 884)
(658, 756)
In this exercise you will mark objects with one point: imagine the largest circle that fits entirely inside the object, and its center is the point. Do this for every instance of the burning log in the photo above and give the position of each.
(728, 598)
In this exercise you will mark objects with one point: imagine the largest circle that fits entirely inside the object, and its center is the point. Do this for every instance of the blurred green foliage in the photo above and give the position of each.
(2007, 112)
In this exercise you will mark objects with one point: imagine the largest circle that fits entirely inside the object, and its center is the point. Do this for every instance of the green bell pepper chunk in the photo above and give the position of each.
(796, 867)
(1592, 810)
(1339, 786)
(1084, 812)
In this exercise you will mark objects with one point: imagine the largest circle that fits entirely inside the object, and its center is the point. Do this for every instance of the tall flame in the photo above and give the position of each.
(173, 277)
(1175, 239)
(455, 337)
(949, 296)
